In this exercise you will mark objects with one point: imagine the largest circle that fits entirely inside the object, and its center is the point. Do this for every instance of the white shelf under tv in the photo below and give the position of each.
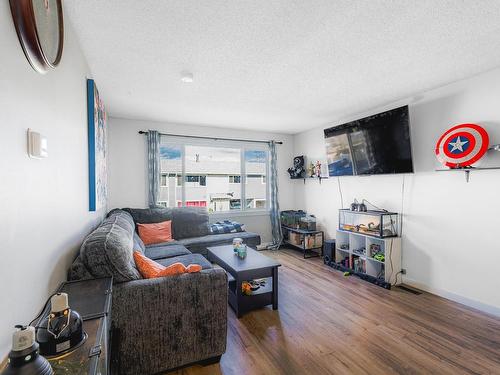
(347, 242)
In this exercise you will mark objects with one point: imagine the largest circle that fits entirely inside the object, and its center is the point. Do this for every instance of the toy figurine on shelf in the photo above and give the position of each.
(317, 169)
(311, 170)
(298, 170)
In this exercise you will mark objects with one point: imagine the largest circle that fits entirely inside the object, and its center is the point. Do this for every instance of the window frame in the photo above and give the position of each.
(243, 147)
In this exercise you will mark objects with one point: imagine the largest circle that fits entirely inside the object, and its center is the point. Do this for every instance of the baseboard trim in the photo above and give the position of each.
(483, 307)
(264, 246)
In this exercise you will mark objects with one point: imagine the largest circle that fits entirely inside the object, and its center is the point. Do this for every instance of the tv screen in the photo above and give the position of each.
(378, 144)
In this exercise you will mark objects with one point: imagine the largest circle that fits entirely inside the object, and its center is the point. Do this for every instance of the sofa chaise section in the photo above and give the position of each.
(200, 244)
(165, 250)
(170, 322)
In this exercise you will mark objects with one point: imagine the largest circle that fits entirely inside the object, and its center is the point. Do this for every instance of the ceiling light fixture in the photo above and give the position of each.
(186, 77)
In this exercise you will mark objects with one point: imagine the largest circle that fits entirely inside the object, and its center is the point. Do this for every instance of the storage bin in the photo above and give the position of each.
(308, 222)
(295, 239)
(291, 218)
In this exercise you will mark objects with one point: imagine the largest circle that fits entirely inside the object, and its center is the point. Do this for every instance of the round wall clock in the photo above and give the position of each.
(39, 26)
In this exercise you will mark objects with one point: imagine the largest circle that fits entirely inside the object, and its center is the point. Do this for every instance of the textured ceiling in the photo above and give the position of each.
(278, 65)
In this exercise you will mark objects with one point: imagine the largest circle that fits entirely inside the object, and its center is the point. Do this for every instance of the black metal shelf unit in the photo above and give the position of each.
(314, 250)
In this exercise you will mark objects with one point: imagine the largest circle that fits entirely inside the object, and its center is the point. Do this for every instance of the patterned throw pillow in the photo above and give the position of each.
(227, 226)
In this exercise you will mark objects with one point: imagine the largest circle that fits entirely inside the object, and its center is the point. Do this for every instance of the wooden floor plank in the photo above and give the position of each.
(331, 324)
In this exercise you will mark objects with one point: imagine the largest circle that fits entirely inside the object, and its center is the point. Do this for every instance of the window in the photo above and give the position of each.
(206, 170)
(163, 192)
(219, 177)
(164, 180)
(196, 204)
(235, 204)
(256, 185)
(260, 203)
(171, 171)
(198, 180)
(163, 203)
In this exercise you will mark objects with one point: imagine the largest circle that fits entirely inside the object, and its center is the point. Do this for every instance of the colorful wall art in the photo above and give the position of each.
(97, 137)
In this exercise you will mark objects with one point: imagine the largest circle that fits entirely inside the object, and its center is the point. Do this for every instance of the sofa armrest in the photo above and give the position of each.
(169, 322)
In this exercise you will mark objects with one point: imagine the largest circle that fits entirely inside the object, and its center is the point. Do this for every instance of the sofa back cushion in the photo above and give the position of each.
(107, 251)
(149, 215)
(186, 221)
(190, 222)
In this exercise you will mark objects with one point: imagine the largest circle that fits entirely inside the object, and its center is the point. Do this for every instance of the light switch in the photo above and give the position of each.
(37, 145)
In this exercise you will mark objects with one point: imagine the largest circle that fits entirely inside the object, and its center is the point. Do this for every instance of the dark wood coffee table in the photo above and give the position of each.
(254, 266)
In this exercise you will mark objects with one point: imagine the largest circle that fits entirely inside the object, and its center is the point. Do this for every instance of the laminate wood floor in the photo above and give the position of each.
(331, 324)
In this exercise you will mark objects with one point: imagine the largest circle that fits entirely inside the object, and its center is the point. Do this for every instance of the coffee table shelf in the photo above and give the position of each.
(268, 288)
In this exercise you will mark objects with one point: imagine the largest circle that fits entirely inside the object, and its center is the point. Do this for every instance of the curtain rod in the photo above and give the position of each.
(213, 138)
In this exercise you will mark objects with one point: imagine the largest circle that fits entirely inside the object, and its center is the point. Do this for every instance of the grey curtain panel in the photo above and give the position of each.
(153, 140)
(275, 208)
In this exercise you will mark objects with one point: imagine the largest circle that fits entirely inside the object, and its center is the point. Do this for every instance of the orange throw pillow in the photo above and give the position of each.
(149, 269)
(173, 269)
(193, 268)
(156, 232)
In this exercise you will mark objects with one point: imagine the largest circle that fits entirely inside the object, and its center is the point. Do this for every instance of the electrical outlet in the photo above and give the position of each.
(403, 271)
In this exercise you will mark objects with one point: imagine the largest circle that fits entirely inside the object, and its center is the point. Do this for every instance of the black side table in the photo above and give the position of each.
(92, 299)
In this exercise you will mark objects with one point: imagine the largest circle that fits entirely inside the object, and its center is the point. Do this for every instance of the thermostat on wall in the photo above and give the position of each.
(37, 145)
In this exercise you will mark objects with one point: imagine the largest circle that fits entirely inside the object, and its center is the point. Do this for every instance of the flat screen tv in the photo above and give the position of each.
(378, 144)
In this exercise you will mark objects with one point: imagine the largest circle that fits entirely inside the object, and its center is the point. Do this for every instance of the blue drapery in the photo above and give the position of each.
(153, 140)
(274, 205)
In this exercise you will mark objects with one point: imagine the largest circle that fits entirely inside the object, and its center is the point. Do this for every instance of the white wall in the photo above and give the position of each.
(450, 230)
(128, 171)
(43, 203)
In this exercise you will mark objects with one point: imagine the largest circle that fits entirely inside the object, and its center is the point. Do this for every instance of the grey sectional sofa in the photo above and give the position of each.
(165, 323)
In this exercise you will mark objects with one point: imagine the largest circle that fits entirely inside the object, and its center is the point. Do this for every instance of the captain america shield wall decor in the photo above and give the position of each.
(462, 145)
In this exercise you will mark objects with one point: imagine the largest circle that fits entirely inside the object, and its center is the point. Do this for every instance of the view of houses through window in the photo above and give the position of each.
(219, 178)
